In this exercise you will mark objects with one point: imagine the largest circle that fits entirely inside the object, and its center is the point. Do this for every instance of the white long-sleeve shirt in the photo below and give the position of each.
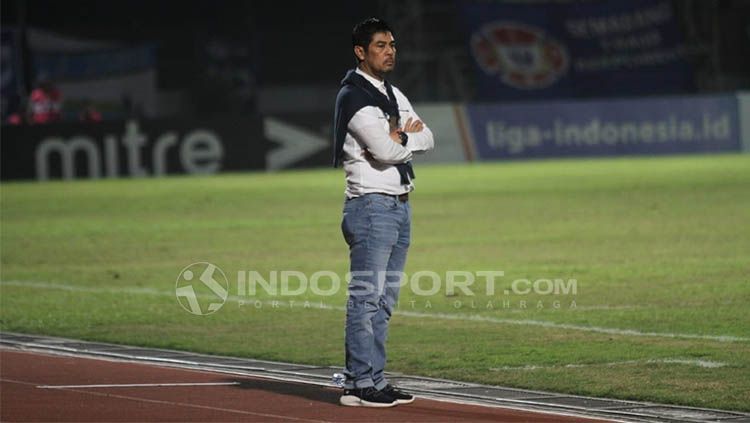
(369, 131)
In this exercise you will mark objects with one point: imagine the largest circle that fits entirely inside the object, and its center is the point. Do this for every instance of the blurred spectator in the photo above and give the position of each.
(45, 102)
(16, 107)
(15, 119)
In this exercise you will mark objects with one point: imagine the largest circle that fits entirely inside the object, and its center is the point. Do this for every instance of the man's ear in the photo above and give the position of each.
(359, 51)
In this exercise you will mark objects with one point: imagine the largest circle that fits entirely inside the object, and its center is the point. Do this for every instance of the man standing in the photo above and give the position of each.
(376, 133)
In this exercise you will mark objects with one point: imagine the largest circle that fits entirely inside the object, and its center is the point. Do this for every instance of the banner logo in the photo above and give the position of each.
(521, 56)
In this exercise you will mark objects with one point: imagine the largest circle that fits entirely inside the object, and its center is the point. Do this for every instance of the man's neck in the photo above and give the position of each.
(370, 72)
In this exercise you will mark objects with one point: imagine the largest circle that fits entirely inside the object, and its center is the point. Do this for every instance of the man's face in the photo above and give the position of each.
(380, 56)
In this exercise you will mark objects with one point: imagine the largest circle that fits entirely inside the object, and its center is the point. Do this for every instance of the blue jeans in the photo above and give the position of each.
(378, 230)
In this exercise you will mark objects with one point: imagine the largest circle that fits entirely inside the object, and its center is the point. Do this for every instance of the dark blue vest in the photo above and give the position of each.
(356, 92)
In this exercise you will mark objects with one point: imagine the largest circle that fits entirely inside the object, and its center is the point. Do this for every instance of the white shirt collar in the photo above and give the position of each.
(380, 85)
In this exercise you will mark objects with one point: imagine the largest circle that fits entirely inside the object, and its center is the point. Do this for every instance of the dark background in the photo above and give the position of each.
(307, 43)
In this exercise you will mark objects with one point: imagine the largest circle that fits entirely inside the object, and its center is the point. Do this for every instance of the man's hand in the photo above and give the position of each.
(410, 126)
(413, 126)
(395, 136)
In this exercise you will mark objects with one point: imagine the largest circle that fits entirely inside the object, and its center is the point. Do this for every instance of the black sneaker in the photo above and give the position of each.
(366, 397)
(401, 397)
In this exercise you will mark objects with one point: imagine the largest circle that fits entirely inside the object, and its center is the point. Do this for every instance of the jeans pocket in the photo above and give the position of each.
(382, 202)
(351, 218)
(346, 231)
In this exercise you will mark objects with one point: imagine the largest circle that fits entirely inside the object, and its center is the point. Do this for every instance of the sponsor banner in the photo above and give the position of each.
(112, 79)
(442, 120)
(612, 127)
(134, 148)
(536, 50)
(743, 98)
(95, 64)
(107, 95)
(306, 140)
(48, 41)
(303, 140)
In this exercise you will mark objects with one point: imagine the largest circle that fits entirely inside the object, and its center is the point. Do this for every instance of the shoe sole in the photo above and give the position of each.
(354, 401)
(404, 401)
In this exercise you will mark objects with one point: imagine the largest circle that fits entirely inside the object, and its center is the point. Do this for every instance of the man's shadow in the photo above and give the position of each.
(311, 392)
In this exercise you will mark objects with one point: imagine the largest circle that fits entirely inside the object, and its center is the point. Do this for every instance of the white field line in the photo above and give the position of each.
(138, 385)
(439, 316)
(589, 308)
(688, 362)
(611, 307)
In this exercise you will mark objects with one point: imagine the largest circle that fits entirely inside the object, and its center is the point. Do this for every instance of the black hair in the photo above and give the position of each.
(363, 31)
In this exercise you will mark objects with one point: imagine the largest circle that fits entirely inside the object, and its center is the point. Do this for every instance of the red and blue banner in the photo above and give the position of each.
(576, 49)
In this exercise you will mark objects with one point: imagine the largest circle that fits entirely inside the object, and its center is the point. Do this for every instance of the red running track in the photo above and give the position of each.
(246, 399)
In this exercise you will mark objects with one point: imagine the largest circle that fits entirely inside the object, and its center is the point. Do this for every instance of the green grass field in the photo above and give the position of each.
(659, 247)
